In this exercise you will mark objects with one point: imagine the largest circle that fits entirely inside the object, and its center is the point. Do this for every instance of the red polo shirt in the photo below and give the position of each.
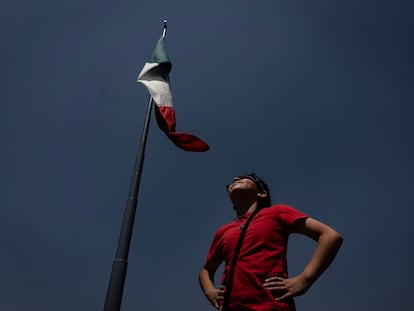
(263, 254)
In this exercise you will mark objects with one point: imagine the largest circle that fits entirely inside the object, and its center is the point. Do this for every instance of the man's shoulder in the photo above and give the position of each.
(224, 228)
(276, 208)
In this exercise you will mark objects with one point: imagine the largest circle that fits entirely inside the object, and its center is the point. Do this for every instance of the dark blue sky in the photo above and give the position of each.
(315, 97)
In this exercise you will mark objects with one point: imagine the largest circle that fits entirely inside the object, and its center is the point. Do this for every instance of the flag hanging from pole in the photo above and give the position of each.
(155, 76)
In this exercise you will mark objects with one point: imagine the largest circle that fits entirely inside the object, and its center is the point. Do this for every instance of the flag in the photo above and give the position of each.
(155, 76)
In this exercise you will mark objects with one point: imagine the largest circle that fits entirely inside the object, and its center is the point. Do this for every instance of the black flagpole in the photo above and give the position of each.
(119, 265)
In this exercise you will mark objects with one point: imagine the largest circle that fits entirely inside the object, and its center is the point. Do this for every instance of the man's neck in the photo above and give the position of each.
(245, 207)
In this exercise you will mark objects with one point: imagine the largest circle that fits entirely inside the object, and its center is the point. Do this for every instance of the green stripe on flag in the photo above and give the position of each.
(158, 54)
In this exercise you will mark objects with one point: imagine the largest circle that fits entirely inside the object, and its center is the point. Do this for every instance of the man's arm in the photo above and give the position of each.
(329, 242)
(206, 279)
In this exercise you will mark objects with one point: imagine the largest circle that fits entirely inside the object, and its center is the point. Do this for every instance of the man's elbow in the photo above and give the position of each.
(336, 238)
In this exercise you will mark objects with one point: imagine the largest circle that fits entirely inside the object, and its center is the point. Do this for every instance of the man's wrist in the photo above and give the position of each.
(208, 290)
(307, 279)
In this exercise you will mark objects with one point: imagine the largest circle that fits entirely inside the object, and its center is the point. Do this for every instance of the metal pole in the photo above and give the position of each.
(119, 266)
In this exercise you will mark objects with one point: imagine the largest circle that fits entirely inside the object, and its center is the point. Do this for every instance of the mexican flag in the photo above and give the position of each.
(155, 76)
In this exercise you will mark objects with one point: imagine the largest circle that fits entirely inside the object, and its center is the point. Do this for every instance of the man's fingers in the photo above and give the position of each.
(277, 289)
(272, 285)
(283, 297)
(274, 279)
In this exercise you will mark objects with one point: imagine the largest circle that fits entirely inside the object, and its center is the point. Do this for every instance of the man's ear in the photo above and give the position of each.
(263, 194)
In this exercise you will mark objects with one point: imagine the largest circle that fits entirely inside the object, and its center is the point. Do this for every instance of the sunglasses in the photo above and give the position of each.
(253, 177)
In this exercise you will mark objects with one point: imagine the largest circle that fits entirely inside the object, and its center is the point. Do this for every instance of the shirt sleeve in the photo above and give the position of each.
(289, 215)
(215, 253)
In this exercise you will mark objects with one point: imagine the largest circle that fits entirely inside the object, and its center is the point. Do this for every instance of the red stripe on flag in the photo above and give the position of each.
(166, 121)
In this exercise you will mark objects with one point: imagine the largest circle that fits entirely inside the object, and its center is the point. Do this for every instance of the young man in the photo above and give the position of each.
(260, 281)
